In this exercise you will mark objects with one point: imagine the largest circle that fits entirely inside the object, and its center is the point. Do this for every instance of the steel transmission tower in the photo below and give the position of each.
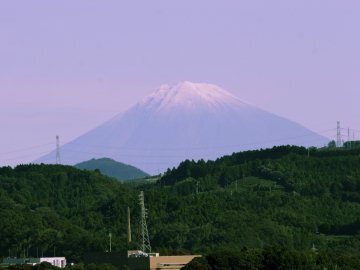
(58, 161)
(145, 245)
(338, 135)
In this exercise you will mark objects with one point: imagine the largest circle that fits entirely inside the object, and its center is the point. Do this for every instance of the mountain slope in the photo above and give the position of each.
(112, 168)
(185, 121)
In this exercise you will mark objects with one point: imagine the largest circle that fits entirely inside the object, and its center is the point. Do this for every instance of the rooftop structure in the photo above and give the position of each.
(139, 260)
(157, 262)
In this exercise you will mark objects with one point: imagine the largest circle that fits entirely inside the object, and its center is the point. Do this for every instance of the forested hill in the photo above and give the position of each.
(285, 196)
(112, 168)
(305, 171)
(43, 207)
(282, 196)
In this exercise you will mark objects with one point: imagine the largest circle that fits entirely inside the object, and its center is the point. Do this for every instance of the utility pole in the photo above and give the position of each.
(145, 245)
(58, 161)
(110, 235)
(349, 139)
(129, 225)
(338, 135)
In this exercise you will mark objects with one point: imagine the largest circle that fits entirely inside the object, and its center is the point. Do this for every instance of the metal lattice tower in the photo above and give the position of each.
(338, 135)
(58, 161)
(145, 245)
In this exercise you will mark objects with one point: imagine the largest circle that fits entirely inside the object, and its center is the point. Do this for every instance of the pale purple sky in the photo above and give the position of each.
(67, 66)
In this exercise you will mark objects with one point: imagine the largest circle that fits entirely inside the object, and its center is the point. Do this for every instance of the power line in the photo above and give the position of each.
(203, 155)
(172, 148)
(161, 156)
(25, 149)
(25, 156)
(209, 147)
(352, 134)
(200, 155)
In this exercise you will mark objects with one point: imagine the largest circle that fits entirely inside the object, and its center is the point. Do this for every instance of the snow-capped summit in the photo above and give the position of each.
(184, 121)
(188, 95)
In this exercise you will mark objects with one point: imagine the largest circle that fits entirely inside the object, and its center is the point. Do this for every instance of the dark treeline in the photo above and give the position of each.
(290, 197)
(274, 258)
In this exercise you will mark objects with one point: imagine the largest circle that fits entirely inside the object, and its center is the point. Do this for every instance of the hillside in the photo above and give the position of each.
(43, 207)
(283, 197)
(112, 168)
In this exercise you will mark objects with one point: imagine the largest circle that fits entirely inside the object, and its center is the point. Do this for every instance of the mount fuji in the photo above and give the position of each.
(184, 121)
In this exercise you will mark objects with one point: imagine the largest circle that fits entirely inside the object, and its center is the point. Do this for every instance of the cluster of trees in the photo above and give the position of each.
(274, 258)
(291, 197)
(347, 145)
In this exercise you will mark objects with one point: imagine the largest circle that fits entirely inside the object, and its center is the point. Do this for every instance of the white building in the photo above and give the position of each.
(55, 261)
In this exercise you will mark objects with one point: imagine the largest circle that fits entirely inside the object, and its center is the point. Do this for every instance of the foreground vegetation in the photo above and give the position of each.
(274, 258)
(307, 202)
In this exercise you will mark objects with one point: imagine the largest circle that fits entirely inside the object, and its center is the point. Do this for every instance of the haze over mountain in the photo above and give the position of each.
(184, 121)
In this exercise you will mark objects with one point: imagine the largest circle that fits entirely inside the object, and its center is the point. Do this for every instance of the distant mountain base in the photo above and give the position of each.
(112, 168)
(184, 121)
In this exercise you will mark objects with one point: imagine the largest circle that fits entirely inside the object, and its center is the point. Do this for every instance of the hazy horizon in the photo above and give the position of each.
(68, 66)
